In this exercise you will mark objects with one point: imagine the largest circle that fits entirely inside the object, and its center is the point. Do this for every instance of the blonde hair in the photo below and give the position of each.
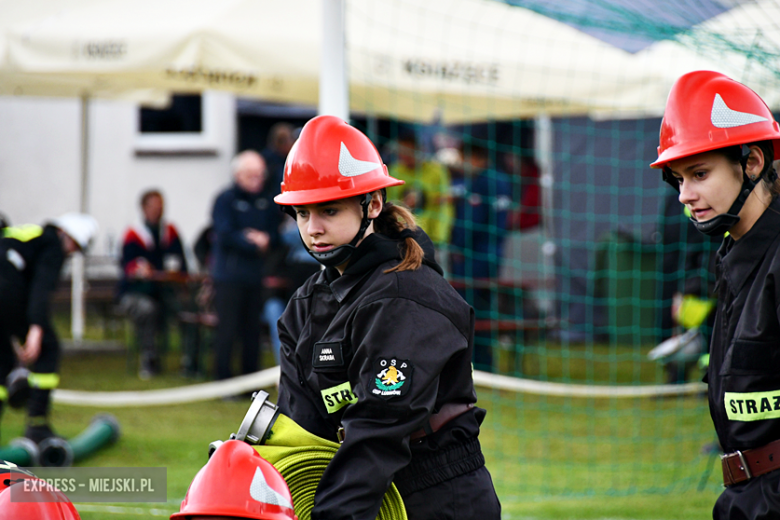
(392, 221)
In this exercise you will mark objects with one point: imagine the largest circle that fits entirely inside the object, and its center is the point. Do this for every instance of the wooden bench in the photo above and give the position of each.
(518, 323)
(99, 297)
(528, 319)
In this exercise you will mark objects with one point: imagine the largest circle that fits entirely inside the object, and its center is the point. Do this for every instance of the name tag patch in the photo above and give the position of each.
(337, 397)
(752, 406)
(393, 377)
(327, 355)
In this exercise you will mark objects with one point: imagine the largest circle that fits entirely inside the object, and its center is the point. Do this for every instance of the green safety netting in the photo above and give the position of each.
(533, 124)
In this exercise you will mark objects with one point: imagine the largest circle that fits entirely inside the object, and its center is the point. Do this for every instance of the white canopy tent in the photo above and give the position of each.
(454, 60)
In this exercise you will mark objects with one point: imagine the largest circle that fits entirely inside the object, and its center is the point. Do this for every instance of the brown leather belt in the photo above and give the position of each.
(437, 421)
(744, 465)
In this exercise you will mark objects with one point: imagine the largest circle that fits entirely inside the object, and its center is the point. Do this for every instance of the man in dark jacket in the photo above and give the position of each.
(482, 198)
(246, 223)
(31, 258)
(148, 249)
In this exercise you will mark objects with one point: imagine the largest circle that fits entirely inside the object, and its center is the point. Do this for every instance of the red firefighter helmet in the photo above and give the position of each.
(331, 160)
(707, 111)
(10, 474)
(49, 505)
(237, 481)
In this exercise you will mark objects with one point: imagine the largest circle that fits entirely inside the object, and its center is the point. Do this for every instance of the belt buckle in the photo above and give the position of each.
(744, 467)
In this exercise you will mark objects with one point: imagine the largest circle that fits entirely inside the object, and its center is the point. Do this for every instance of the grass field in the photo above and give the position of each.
(550, 457)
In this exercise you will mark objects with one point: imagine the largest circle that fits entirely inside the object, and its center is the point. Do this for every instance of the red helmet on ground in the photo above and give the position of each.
(51, 504)
(707, 111)
(237, 481)
(10, 473)
(331, 160)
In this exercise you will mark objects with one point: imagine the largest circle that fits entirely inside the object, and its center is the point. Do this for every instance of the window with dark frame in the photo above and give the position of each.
(184, 115)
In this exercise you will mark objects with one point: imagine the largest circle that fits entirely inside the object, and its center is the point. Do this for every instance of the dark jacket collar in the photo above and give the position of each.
(373, 251)
(242, 194)
(739, 258)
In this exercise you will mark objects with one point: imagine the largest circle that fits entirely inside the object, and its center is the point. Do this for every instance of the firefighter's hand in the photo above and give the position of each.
(143, 269)
(411, 199)
(32, 345)
(677, 300)
(261, 239)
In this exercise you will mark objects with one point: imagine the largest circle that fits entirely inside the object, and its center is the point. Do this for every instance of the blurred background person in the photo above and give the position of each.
(526, 192)
(246, 224)
(31, 258)
(426, 189)
(280, 140)
(482, 197)
(150, 248)
(687, 291)
(296, 265)
(288, 265)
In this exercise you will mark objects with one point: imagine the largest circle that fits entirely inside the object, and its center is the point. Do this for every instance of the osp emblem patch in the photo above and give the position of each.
(393, 377)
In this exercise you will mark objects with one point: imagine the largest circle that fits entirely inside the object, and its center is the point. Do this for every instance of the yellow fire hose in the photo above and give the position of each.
(300, 457)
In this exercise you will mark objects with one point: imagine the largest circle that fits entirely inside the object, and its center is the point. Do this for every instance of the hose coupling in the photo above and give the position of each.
(214, 446)
(258, 420)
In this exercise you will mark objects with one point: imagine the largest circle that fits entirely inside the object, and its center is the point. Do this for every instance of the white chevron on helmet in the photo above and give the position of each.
(724, 117)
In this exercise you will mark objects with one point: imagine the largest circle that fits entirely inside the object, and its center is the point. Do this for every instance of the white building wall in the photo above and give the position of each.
(39, 158)
(40, 164)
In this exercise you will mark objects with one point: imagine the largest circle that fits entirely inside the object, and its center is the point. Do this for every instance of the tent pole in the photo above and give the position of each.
(543, 144)
(77, 263)
(334, 88)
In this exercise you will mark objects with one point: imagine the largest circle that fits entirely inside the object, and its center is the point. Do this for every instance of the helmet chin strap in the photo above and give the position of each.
(719, 224)
(339, 255)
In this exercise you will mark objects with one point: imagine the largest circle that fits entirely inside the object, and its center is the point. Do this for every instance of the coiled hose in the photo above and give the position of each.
(301, 458)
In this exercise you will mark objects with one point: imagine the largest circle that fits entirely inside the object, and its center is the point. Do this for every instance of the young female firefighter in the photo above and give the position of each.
(376, 348)
(718, 140)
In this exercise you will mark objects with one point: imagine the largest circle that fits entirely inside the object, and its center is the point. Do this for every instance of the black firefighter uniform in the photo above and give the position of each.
(744, 368)
(377, 354)
(30, 261)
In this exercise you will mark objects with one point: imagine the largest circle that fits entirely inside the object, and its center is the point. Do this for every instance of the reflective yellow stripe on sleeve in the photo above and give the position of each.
(694, 311)
(752, 406)
(337, 397)
(3, 394)
(43, 381)
(23, 233)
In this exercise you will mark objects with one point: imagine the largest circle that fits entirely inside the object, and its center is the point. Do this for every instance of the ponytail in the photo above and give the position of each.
(769, 175)
(392, 222)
